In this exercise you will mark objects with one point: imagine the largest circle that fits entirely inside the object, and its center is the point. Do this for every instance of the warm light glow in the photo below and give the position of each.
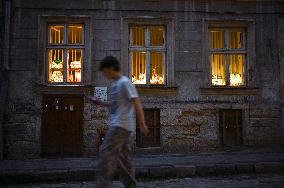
(156, 68)
(236, 39)
(218, 69)
(56, 65)
(74, 58)
(236, 79)
(56, 34)
(217, 80)
(140, 80)
(148, 52)
(56, 76)
(138, 67)
(75, 34)
(137, 36)
(228, 63)
(217, 39)
(236, 69)
(157, 36)
(155, 78)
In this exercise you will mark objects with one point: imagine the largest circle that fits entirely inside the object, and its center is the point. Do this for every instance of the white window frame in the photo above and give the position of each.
(147, 48)
(65, 46)
(228, 51)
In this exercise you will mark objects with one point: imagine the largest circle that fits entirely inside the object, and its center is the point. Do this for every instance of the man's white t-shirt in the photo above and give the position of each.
(122, 112)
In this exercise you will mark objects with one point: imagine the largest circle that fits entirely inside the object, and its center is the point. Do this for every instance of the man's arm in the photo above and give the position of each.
(99, 102)
(140, 116)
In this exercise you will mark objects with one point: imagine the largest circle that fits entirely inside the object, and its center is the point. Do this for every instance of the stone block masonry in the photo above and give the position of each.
(189, 108)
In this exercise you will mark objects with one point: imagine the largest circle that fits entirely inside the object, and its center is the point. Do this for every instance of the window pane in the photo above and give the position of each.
(157, 68)
(56, 34)
(138, 67)
(236, 39)
(218, 62)
(138, 36)
(75, 34)
(157, 36)
(217, 39)
(56, 65)
(74, 59)
(236, 69)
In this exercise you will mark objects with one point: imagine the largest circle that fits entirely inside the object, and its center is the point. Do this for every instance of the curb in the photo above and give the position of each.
(164, 171)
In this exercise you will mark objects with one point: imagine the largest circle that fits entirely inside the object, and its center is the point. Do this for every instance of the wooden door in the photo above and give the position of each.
(62, 125)
(152, 117)
(231, 129)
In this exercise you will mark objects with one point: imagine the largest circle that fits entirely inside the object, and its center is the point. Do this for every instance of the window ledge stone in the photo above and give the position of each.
(64, 89)
(157, 90)
(236, 91)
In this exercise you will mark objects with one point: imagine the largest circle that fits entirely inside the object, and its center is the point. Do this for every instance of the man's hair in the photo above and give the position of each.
(110, 62)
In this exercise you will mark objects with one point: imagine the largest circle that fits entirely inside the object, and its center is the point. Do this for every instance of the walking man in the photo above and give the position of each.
(115, 152)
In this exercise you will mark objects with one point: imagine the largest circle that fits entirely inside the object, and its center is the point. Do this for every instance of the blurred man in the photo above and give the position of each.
(115, 152)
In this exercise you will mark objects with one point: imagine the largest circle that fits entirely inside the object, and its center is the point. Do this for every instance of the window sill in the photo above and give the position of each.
(158, 90)
(236, 91)
(64, 89)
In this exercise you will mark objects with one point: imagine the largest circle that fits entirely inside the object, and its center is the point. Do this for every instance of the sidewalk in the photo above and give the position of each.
(147, 166)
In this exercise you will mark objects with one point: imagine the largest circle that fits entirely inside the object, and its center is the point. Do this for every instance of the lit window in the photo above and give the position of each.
(56, 59)
(65, 53)
(147, 51)
(227, 57)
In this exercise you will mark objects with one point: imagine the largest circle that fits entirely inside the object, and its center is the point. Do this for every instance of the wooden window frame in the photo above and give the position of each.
(229, 51)
(148, 48)
(65, 46)
(251, 76)
(129, 21)
(42, 67)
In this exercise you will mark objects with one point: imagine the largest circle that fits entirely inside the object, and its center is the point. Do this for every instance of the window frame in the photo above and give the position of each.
(148, 49)
(65, 46)
(228, 51)
(169, 24)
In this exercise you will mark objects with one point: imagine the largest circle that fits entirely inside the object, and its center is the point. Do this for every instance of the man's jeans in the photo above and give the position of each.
(115, 156)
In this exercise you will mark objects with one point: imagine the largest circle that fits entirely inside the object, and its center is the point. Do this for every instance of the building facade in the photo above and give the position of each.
(209, 73)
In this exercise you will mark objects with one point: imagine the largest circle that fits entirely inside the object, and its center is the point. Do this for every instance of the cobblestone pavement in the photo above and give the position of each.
(240, 181)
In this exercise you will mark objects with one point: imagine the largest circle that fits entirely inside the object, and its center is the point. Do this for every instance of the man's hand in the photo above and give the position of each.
(140, 116)
(144, 129)
(94, 99)
(97, 101)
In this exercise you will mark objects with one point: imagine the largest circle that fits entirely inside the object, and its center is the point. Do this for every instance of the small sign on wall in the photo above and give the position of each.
(101, 93)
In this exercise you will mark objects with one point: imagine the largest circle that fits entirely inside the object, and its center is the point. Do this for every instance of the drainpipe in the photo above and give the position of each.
(4, 69)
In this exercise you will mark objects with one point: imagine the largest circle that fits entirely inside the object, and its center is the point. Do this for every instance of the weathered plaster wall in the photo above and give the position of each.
(189, 120)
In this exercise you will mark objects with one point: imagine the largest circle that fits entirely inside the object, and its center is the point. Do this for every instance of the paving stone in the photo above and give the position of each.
(161, 171)
(269, 167)
(241, 181)
(225, 169)
(244, 168)
(185, 170)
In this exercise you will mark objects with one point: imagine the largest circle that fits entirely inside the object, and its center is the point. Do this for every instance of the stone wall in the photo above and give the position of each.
(189, 119)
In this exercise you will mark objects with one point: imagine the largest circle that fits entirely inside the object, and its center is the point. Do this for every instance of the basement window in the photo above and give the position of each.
(65, 53)
(147, 55)
(152, 117)
(227, 56)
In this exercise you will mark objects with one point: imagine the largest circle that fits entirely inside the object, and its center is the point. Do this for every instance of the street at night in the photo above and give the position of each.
(240, 181)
